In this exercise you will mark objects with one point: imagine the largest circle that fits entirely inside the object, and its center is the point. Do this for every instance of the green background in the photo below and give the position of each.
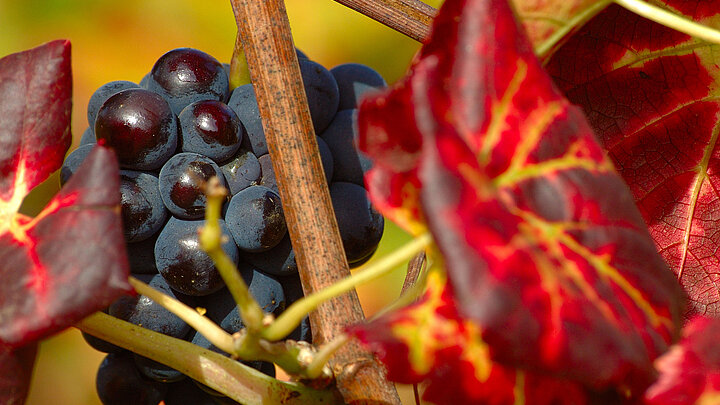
(120, 40)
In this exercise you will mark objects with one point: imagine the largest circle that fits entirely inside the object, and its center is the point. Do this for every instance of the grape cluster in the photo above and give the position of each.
(177, 128)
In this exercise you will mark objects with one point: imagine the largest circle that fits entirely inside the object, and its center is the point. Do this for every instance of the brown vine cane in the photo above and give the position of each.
(265, 32)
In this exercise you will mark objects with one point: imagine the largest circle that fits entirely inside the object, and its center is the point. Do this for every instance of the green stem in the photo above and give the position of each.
(239, 72)
(211, 241)
(208, 328)
(671, 20)
(294, 314)
(409, 296)
(316, 368)
(232, 378)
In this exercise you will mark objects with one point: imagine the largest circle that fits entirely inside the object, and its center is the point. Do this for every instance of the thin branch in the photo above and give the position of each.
(265, 32)
(213, 333)
(410, 17)
(292, 316)
(232, 378)
(211, 241)
(671, 20)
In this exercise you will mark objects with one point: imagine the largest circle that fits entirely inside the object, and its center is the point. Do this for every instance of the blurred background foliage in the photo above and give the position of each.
(120, 40)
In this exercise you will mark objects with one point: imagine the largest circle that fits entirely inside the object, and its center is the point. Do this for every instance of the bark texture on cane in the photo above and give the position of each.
(265, 33)
(410, 17)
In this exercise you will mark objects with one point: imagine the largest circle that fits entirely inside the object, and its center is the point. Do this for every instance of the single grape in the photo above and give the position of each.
(354, 81)
(255, 219)
(300, 54)
(243, 102)
(142, 311)
(242, 171)
(361, 226)
(139, 125)
(183, 263)
(181, 183)
(156, 371)
(183, 76)
(321, 91)
(73, 161)
(142, 209)
(278, 261)
(268, 173)
(103, 93)
(141, 255)
(187, 392)
(292, 287)
(119, 382)
(88, 136)
(100, 344)
(349, 164)
(212, 129)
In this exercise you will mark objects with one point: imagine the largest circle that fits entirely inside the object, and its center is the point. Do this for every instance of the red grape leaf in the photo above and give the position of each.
(544, 20)
(430, 341)
(651, 95)
(35, 105)
(690, 370)
(544, 248)
(70, 260)
(15, 371)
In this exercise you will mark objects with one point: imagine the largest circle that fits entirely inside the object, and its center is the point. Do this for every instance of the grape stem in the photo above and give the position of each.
(211, 242)
(208, 328)
(294, 314)
(293, 357)
(232, 378)
(671, 20)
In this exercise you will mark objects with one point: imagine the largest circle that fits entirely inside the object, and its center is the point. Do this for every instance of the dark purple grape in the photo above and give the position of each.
(242, 171)
(88, 137)
(142, 209)
(361, 226)
(243, 102)
(101, 345)
(156, 371)
(350, 165)
(144, 81)
(212, 129)
(103, 93)
(255, 219)
(300, 54)
(73, 161)
(183, 263)
(119, 382)
(278, 261)
(354, 82)
(321, 91)
(181, 184)
(140, 126)
(143, 311)
(268, 173)
(187, 392)
(183, 76)
(293, 291)
(141, 255)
